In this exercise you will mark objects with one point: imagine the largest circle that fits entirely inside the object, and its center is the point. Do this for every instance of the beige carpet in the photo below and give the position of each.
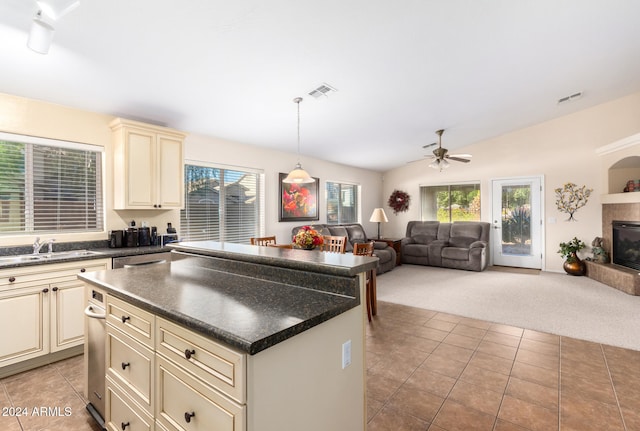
(549, 302)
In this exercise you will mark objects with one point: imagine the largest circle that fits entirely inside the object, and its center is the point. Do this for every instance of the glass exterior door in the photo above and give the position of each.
(517, 222)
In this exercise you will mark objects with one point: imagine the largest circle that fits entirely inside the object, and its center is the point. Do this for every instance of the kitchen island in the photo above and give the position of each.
(244, 337)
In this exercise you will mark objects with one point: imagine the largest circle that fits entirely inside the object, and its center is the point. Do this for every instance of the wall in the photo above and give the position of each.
(31, 117)
(233, 154)
(561, 150)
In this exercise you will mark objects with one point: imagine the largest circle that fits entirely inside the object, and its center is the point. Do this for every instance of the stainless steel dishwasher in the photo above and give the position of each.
(95, 326)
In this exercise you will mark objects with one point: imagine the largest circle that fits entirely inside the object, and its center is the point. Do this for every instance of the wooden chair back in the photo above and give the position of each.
(265, 240)
(363, 248)
(334, 244)
(280, 245)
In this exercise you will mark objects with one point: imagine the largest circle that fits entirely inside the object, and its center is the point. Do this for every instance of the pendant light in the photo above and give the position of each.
(298, 175)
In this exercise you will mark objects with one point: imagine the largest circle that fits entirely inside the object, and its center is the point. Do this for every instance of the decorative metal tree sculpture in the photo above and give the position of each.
(570, 198)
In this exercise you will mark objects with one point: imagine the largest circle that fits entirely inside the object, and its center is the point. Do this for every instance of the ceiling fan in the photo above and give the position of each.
(441, 157)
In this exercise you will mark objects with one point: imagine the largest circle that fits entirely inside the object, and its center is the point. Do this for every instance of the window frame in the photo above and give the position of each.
(260, 197)
(423, 215)
(357, 207)
(100, 192)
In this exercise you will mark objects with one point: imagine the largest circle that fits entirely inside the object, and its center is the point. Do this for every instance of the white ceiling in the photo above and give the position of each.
(403, 68)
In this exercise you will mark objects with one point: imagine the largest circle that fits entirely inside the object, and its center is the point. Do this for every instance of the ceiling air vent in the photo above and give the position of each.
(566, 99)
(323, 90)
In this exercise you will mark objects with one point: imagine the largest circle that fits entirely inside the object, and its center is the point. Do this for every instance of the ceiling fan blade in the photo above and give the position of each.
(458, 159)
(429, 145)
(468, 156)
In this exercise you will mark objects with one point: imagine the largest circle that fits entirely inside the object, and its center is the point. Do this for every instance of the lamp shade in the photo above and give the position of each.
(40, 36)
(378, 216)
(298, 176)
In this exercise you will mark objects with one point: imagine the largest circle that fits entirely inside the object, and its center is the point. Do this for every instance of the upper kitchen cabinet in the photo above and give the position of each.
(148, 166)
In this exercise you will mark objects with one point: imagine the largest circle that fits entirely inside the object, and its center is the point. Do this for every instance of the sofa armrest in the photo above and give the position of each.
(407, 240)
(380, 245)
(478, 244)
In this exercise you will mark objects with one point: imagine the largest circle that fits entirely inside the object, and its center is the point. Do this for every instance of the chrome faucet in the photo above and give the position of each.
(37, 245)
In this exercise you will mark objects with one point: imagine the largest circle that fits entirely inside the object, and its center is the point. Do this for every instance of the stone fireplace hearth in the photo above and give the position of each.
(624, 279)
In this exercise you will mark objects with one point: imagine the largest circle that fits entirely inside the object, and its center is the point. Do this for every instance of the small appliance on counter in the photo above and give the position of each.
(116, 238)
(171, 235)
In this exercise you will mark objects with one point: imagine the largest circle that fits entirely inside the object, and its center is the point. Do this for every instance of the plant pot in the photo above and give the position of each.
(574, 266)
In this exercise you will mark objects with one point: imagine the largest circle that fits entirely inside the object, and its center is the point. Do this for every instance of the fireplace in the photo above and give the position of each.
(626, 244)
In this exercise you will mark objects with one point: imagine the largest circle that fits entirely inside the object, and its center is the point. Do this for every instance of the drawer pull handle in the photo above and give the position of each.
(188, 416)
(12, 279)
(124, 425)
(189, 353)
(125, 365)
(125, 318)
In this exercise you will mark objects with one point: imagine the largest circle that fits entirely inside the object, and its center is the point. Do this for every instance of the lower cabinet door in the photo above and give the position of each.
(185, 403)
(67, 317)
(122, 413)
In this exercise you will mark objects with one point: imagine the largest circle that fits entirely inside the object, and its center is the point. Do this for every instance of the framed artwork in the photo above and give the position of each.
(298, 202)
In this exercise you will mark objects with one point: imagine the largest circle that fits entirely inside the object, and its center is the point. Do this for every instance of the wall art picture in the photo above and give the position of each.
(298, 202)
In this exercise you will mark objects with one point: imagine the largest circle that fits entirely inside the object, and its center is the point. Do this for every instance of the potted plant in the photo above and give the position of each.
(569, 252)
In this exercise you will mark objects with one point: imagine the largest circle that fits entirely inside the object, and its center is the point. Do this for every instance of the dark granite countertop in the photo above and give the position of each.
(246, 312)
(346, 264)
(96, 253)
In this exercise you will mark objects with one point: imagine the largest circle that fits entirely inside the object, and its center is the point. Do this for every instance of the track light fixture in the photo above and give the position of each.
(42, 32)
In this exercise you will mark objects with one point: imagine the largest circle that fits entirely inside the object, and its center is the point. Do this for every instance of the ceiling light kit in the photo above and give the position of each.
(441, 157)
(298, 175)
(42, 32)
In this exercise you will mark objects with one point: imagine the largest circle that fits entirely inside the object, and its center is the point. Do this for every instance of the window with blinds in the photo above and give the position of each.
(49, 186)
(222, 204)
(342, 203)
(452, 202)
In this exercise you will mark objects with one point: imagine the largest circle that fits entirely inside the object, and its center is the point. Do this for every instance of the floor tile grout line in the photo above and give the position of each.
(613, 386)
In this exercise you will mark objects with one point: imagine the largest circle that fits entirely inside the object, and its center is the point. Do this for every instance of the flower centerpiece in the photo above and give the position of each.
(307, 238)
(569, 251)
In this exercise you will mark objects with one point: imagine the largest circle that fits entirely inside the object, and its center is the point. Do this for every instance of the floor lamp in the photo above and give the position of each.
(378, 216)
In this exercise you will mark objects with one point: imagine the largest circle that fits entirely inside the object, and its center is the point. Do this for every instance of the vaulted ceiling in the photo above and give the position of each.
(402, 69)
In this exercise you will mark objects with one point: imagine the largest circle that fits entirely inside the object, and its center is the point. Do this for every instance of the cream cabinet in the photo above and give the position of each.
(41, 309)
(148, 166)
(130, 360)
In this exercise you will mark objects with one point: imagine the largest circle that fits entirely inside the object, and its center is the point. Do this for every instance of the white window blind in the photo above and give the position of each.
(49, 186)
(222, 204)
(342, 203)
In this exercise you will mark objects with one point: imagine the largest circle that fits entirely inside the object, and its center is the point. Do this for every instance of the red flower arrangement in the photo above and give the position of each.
(308, 238)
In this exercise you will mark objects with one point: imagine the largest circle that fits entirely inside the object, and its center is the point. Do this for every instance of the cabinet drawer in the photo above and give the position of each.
(121, 413)
(131, 320)
(214, 363)
(47, 272)
(130, 364)
(185, 403)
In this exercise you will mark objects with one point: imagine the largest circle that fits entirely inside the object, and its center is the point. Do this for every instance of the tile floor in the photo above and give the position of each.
(425, 371)
(52, 396)
(438, 372)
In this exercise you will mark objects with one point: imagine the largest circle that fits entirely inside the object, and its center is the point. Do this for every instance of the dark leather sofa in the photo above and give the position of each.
(460, 245)
(355, 233)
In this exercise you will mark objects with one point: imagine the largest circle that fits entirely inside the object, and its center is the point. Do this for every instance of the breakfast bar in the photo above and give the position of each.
(243, 337)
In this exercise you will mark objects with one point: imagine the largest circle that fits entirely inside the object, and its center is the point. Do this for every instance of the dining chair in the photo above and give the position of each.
(280, 245)
(265, 240)
(366, 249)
(334, 244)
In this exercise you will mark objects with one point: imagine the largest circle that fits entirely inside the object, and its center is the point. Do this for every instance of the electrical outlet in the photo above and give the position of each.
(346, 354)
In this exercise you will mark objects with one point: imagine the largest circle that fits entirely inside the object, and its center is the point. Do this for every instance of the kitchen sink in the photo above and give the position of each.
(45, 257)
(19, 259)
(67, 254)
